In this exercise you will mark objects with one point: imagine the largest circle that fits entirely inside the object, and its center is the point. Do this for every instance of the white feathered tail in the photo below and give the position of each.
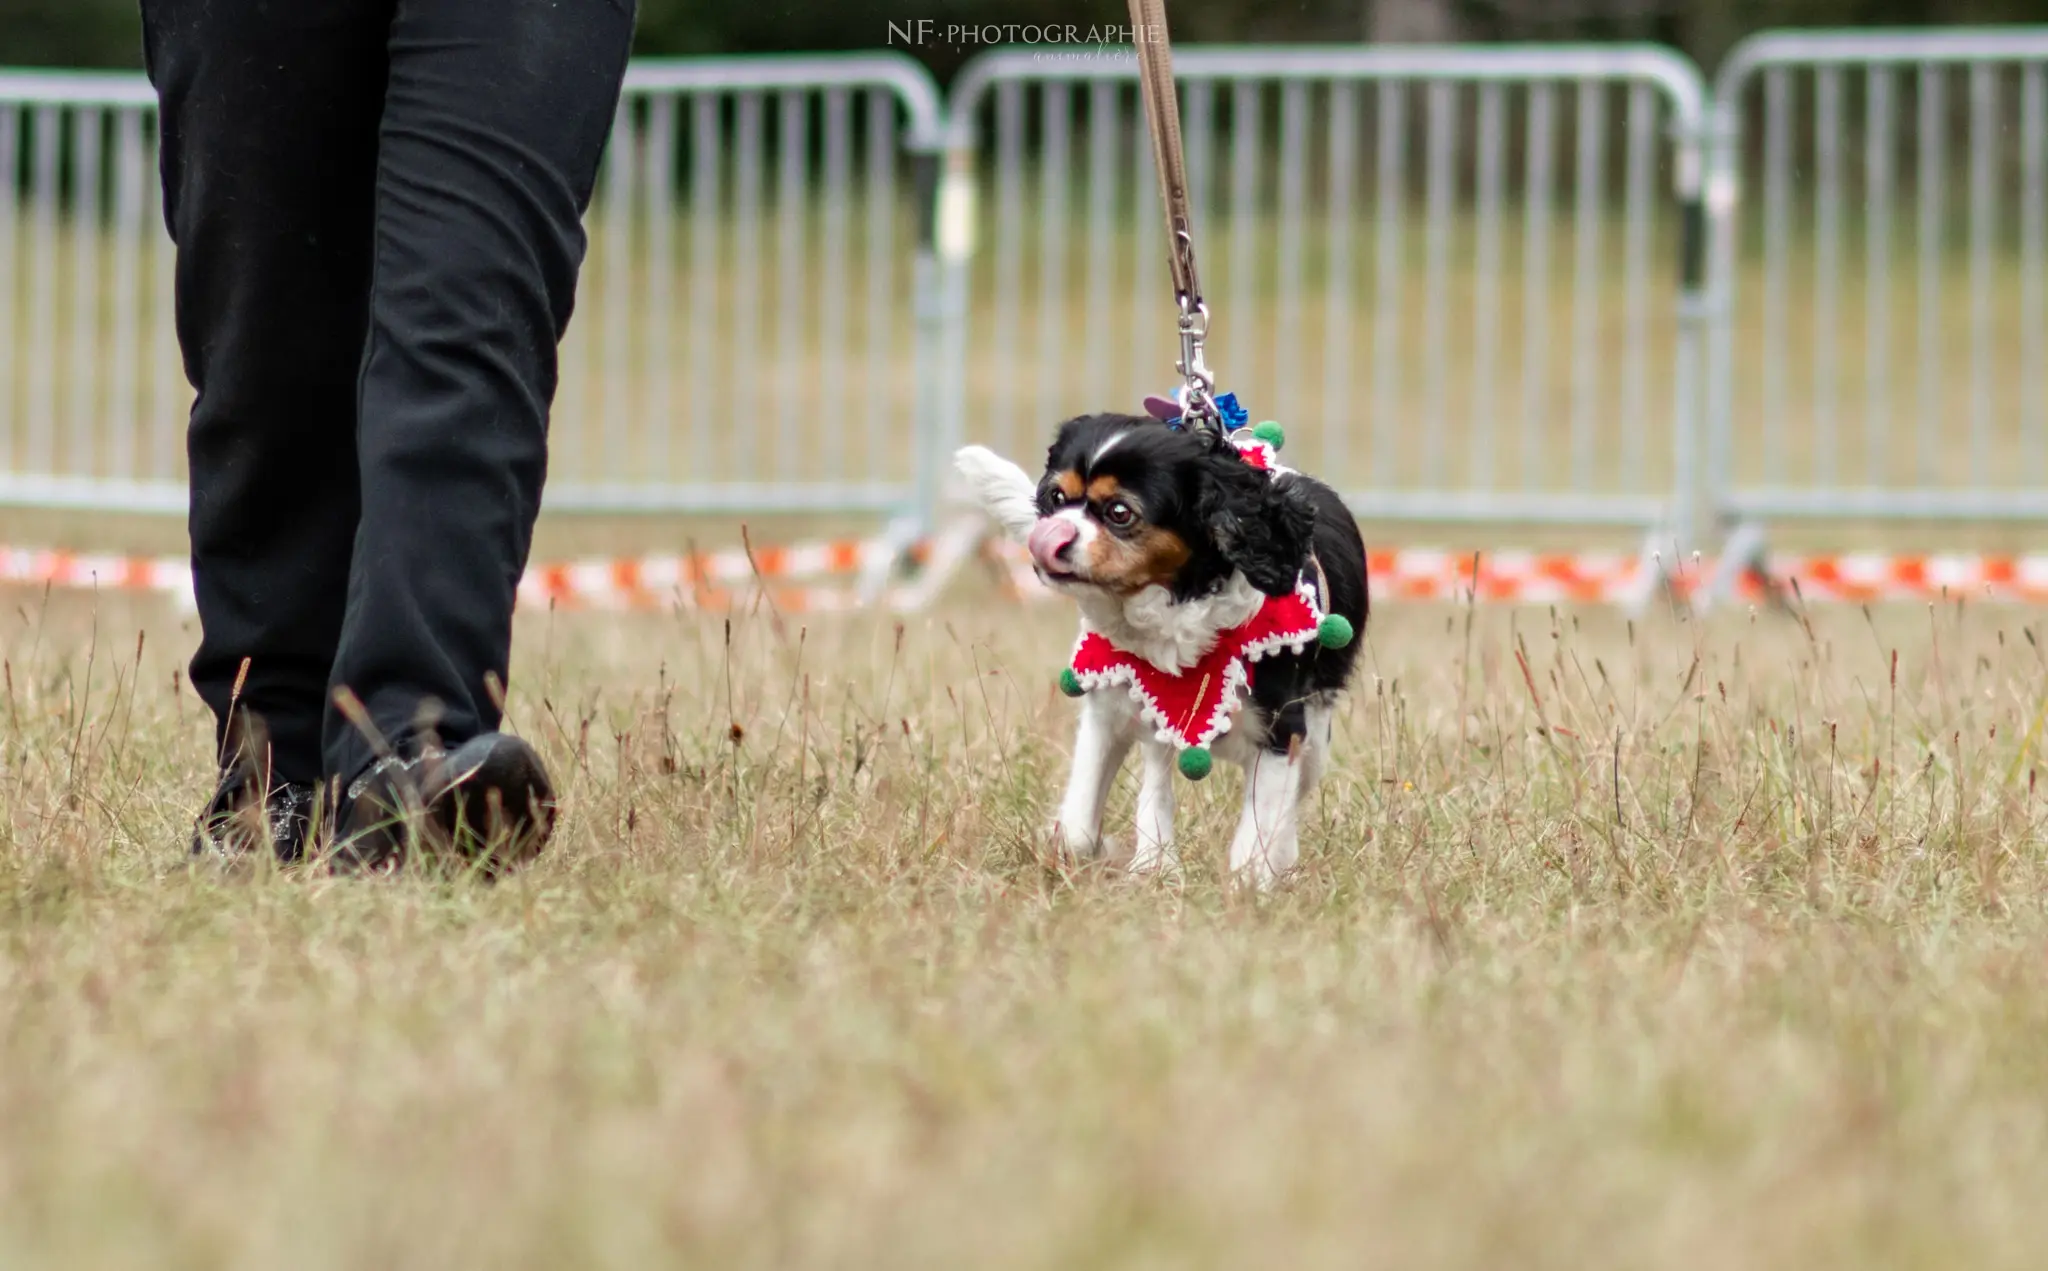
(1005, 490)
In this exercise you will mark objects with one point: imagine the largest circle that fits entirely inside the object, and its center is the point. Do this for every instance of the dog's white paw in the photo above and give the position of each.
(1082, 848)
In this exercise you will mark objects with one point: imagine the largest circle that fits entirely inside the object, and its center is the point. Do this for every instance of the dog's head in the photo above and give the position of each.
(1128, 503)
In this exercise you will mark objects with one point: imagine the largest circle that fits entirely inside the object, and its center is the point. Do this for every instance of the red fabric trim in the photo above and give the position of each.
(1194, 707)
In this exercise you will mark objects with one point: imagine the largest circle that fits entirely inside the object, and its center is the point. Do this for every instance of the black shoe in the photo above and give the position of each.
(250, 810)
(487, 805)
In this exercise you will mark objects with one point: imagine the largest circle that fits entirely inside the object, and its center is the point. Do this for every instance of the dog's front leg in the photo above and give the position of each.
(1320, 718)
(1267, 842)
(1155, 850)
(1104, 738)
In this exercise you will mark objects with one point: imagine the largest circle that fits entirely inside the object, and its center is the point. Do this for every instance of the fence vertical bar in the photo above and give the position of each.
(1590, 145)
(2034, 267)
(1777, 263)
(1287, 299)
(42, 267)
(82, 418)
(1151, 303)
(1930, 173)
(1391, 209)
(792, 207)
(1483, 459)
(1878, 146)
(658, 193)
(1055, 122)
(833, 398)
(1103, 171)
(746, 378)
(614, 460)
(881, 278)
(1827, 254)
(1198, 139)
(1536, 278)
(1722, 201)
(705, 208)
(1983, 225)
(1241, 277)
(1635, 252)
(1339, 284)
(1440, 139)
(936, 285)
(1689, 181)
(170, 393)
(1009, 262)
(124, 381)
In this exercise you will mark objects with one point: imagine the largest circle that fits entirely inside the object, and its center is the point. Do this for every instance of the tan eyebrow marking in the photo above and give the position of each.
(1103, 489)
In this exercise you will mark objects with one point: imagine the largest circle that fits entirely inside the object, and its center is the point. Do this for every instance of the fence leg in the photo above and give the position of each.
(1693, 325)
(945, 195)
(1723, 194)
(928, 302)
(897, 540)
(947, 550)
(1744, 553)
(955, 246)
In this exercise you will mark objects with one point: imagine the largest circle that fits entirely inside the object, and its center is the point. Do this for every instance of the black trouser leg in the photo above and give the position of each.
(410, 173)
(270, 118)
(494, 123)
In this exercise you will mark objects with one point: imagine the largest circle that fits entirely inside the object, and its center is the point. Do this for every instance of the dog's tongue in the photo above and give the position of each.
(1162, 407)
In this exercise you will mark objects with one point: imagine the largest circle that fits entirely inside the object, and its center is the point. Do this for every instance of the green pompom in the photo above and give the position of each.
(1070, 683)
(1334, 632)
(1270, 432)
(1195, 763)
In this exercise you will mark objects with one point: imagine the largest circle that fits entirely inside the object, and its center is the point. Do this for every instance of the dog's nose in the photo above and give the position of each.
(1052, 544)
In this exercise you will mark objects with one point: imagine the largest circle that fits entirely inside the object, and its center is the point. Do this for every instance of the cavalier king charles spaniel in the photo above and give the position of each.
(1219, 593)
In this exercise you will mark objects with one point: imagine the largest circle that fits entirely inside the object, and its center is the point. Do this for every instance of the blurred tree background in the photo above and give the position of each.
(107, 32)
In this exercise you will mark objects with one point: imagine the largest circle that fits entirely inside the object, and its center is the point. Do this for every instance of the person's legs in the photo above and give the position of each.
(270, 118)
(495, 121)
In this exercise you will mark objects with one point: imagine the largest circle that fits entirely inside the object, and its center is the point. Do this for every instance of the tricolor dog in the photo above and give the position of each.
(1219, 595)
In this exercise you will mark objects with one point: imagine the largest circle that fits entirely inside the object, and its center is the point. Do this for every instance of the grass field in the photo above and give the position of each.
(1672, 945)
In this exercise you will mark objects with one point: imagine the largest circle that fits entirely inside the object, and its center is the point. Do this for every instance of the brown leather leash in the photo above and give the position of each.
(1162, 116)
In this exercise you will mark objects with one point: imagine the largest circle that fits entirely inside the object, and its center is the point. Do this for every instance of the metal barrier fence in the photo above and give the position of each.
(748, 335)
(93, 396)
(1830, 397)
(755, 330)
(1468, 278)
(1533, 365)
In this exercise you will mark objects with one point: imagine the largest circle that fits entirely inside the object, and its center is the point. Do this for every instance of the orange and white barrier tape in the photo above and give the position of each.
(40, 567)
(1534, 578)
(786, 579)
(795, 579)
(1858, 577)
(1427, 574)
(719, 581)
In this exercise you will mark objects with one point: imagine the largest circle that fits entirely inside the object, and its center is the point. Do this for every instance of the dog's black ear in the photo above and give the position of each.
(1263, 528)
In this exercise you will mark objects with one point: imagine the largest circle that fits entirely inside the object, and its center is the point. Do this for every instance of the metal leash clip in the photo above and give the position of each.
(1162, 114)
(1198, 388)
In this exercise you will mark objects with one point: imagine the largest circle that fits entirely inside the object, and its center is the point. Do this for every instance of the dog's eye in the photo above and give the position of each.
(1119, 513)
(1050, 500)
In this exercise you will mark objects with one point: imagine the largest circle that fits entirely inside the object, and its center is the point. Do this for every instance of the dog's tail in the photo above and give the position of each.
(1004, 489)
